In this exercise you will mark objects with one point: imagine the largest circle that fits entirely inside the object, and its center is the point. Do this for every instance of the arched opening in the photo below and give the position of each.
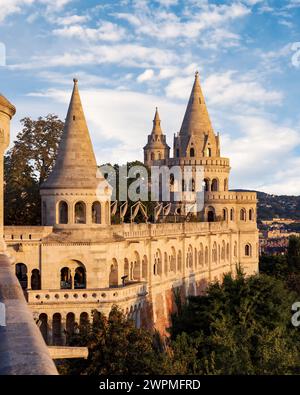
(136, 274)
(35, 279)
(80, 278)
(235, 249)
(211, 215)
(84, 322)
(201, 255)
(145, 268)
(189, 257)
(215, 185)
(63, 213)
(96, 213)
(243, 214)
(70, 326)
(192, 152)
(113, 275)
(80, 213)
(21, 273)
(177, 153)
(65, 278)
(159, 156)
(206, 256)
(152, 156)
(232, 214)
(251, 215)
(56, 330)
(43, 325)
(247, 250)
(209, 152)
(126, 270)
(206, 185)
(224, 214)
(157, 270)
(227, 251)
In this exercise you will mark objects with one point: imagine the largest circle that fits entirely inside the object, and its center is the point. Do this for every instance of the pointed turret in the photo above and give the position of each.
(156, 123)
(196, 137)
(156, 147)
(76, 163)
(196, 119)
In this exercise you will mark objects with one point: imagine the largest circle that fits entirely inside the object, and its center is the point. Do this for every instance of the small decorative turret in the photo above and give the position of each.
(156, 148)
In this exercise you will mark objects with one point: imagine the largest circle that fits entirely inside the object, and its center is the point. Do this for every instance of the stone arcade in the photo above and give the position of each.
(74, 263)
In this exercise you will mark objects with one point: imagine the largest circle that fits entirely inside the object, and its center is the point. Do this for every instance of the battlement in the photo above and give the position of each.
(231, 196)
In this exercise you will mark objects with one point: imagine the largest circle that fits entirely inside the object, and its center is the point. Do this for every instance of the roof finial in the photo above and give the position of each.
(197, 74)
(75, 80)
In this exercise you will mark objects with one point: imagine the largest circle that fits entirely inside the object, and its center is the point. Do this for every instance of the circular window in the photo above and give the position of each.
(75, 296)
(103, 295)
(94, 295)
(66, 296)
(56, 296)
(37, 297)
(47, 296)
(84, 295)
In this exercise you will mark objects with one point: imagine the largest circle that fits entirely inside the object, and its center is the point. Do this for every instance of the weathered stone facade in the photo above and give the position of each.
(75, 262)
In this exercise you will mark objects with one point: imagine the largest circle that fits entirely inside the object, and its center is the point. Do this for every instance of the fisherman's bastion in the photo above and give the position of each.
(78, 261)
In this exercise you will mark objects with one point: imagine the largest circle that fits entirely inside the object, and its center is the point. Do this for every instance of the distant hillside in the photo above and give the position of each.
(281, 206)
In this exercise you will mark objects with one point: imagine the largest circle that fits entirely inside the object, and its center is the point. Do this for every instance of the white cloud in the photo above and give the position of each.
(107, 31)
(145, 76)
(71, 19)
(126, 54)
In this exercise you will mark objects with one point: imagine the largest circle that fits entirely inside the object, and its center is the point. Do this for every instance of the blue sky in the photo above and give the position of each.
(131, 56)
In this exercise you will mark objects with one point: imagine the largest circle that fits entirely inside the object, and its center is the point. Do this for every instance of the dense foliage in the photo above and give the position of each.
(242, 326)
(26, 165)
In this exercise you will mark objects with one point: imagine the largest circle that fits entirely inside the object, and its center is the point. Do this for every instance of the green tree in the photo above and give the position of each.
(27, 165)
(241, 326)
(293, 255)
(115, 346)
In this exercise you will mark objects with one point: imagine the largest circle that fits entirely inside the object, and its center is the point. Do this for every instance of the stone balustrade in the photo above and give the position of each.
(104, 295)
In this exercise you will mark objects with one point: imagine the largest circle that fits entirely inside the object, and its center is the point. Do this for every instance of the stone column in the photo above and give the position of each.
(7, 111)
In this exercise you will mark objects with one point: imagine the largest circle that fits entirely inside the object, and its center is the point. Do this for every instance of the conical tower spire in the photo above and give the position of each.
(156, 123)
(196, 119)
(76, 163)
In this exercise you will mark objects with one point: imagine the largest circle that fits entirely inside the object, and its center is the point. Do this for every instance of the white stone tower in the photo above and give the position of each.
(75, 195)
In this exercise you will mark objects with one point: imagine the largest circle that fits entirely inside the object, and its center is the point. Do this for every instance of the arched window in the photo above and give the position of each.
(43, 325)
(232, 214)
(211, 215)
(227, 251)
(177, 153)
(152, 156)
(224, 214)
(189, 257)
(84, 322)
(223, 252)
(126, 270)
(113, 275)
(80, 278)
(192, 152)
(243, 214)
(235, 249)
(63, 213)
(56, 330)
(65, 278)
(159, 156)
(35, 279)
(247, 250)
(209, 152)
(21, 273)
(80, 215)
(251, 215)
(166, 264)
(70, 326)
(145, 268)
(96, 213)
(214, 185)
(206, 256)
(206, 185)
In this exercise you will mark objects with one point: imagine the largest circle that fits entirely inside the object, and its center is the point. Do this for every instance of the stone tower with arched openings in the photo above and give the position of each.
(156, 148)
(75, 193)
